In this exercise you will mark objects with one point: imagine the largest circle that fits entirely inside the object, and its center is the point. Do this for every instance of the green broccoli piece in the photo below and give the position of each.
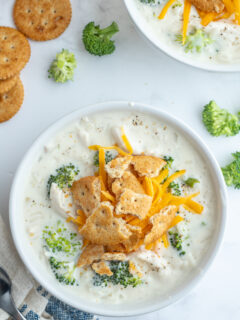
(195, 41)
(60, 245)
(169, 161)
(108, 157)
(64, 177)
(63, 271)
(58, 239)
(219, 121)
(121, 275)
(177, 4)
(175, 188)
(97, 41)
(231, 172)
(176, 241)
(191, 182)
(62, 68)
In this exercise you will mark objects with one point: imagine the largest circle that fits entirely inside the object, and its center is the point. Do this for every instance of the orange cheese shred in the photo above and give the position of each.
(237, 10)
(186, 15)
(148, 186)
(165, 240)
(108, 196)
(208, 17)
(149, 246)
(126, 141)
(133, 269)
(96, 147)
(194, 206)
(165, 9)
(163, 175)
(79, 220)
(229, 5)
(158, 193)
(172, 178)
(175, 221)
(102, 171)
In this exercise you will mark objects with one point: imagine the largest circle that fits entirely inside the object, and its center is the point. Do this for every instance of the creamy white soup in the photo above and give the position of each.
(222, 37)
(55, 240)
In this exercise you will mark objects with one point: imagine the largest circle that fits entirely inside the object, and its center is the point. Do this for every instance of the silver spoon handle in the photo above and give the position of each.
(17, 315)
(7, 304)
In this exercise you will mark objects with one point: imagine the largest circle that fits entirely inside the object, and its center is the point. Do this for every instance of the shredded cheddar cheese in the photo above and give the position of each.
(208, 17)
(237, 11)
(108, 196)
(165, 9)
(148, 185)
(163, 175)
(102, 171)
(172, 178)
(165, 240)
(119, 150)
(186, 15)
(126, 141)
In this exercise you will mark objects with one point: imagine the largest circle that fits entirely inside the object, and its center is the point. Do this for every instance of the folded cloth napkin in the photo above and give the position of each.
(31, 299)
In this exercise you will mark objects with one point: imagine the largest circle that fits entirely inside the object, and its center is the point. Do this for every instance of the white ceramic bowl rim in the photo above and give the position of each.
(218, 67)
(110, 106)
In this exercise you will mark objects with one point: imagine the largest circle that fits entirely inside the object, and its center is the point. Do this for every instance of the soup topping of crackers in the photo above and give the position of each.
(126, 205)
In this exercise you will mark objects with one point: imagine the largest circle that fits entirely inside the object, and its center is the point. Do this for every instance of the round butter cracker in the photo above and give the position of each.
(42, 20)
(11, 101)
(6, 85)
(14, 52)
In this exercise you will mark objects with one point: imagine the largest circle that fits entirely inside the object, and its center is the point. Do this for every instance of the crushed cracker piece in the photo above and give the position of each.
(102, 268)
(116, 248)
(111, 256)
(132, 242)
(160, 223)
(117, 166)
(87, 193)
(148, 165)
(209, 5)
(133, 203)
(103, 228)
(91, 253)
(127, 181)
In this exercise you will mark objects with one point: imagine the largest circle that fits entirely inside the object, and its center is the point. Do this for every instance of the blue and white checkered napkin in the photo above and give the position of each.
(55, 309)
(33, 301)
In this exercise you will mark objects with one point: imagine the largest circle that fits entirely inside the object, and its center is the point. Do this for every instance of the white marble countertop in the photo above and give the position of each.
(135, 72)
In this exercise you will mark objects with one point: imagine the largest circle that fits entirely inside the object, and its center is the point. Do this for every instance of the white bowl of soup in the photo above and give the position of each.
(143, 257)
(212, 42)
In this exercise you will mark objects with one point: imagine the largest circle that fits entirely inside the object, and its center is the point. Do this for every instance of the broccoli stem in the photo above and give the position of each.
(110, 30)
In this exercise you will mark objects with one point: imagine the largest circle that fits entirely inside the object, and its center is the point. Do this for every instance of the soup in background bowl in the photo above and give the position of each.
(212, 41)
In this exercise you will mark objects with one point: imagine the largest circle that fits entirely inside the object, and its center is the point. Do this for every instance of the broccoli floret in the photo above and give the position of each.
(177, 4)
(121, 275)
(97, 41)
(175, 188)
(108, 157)
(231, 172)
(195, 41)
(219, 121)
(191, 182)
(169, 161)
(62, 68)
(58, 239)
(176, 241)
(60, 246)
(64, 177)
(63, 271)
